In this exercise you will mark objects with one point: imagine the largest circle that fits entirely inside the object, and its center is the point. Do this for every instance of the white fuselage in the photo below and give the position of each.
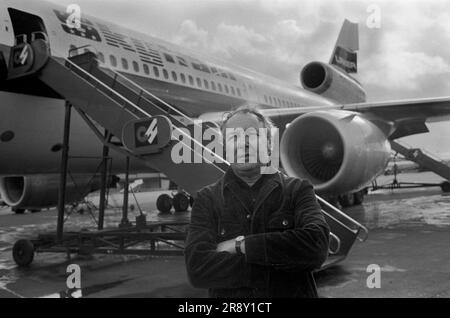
(191, 82)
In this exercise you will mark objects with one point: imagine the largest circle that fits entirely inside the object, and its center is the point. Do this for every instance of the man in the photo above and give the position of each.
(253, 234)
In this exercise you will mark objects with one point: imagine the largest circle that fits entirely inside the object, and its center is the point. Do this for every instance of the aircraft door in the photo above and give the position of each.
(27, 27)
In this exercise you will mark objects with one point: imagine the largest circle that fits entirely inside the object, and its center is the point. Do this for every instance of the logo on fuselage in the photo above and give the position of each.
(21, 56)
(146, 133)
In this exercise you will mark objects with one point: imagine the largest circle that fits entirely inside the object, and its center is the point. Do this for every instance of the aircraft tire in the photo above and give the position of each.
(445, 186)
(164, 203)
(181, 202)
(18, 211)
(358, 197)
(347, 200)
(23, 253)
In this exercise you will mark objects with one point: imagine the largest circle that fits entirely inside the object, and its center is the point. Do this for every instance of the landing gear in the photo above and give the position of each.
(351, 199)
(181, 202)
(164, 203)
(445, 186)
(347, 200)
(23, 253)
(358, 197)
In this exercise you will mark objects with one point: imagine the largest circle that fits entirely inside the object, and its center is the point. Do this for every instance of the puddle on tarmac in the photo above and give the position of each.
(423, 210)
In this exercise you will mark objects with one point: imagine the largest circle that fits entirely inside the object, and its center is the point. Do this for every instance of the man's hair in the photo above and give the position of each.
(247, 109)
(250, 109)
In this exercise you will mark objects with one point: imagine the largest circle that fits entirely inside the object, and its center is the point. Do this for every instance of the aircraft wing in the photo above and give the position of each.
(407, 116)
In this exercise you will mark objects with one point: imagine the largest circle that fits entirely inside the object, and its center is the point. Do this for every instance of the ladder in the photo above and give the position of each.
(107, 100)
(422, 158)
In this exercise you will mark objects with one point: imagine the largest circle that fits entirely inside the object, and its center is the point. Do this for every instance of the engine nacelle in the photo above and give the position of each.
(338, 151)
(41, 191)
(329, 81)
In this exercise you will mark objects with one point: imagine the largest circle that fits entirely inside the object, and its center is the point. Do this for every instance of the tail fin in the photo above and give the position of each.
(344, 55)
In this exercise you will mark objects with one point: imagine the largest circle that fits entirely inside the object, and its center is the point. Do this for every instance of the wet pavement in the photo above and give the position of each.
(409, 241)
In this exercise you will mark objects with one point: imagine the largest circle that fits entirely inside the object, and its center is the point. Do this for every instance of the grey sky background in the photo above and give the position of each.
(407, 57)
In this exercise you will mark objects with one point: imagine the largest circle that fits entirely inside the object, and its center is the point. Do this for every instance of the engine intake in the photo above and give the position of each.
(338, 151)
(330, 81)
(41, 191)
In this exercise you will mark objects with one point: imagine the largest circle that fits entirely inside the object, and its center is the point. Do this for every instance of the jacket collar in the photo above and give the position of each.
(267, 183)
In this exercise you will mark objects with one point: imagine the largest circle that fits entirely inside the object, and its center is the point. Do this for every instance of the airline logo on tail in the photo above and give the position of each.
(345, 59)
(347, 44)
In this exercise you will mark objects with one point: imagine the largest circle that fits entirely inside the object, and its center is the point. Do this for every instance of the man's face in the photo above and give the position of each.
(242, 133)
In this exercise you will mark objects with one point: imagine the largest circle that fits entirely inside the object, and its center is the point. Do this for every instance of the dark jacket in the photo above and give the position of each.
(286, 238)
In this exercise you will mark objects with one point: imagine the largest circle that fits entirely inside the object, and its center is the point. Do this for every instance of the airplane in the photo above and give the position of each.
(329, 133)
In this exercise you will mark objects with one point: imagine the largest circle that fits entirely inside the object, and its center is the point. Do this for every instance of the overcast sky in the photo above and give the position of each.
(408, 56)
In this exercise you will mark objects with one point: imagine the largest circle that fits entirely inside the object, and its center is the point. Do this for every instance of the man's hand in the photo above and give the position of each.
(227, 246)
(230, 246)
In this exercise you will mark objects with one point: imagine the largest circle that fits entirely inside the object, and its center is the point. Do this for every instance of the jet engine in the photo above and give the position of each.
(41, 191)
(338, 151)
(330, 81)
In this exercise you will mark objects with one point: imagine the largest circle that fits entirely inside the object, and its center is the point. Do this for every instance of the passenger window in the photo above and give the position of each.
(219, 86)
(135, 66)
(226, 89)
(191, 80)
(232, 90)
(213, 86)
(156, 71)
(113, 60)
(146, 69)
(183, 78)
(124, 64)
(206, 84)
(199, 82)
(166, 74)
(174, 77)
(239, 92)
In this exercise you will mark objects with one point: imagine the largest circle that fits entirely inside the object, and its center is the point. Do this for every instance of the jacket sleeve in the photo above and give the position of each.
(305, 247)
(207, 268)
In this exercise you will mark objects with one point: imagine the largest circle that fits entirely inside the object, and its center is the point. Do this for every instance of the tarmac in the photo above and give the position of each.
(408, 243)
